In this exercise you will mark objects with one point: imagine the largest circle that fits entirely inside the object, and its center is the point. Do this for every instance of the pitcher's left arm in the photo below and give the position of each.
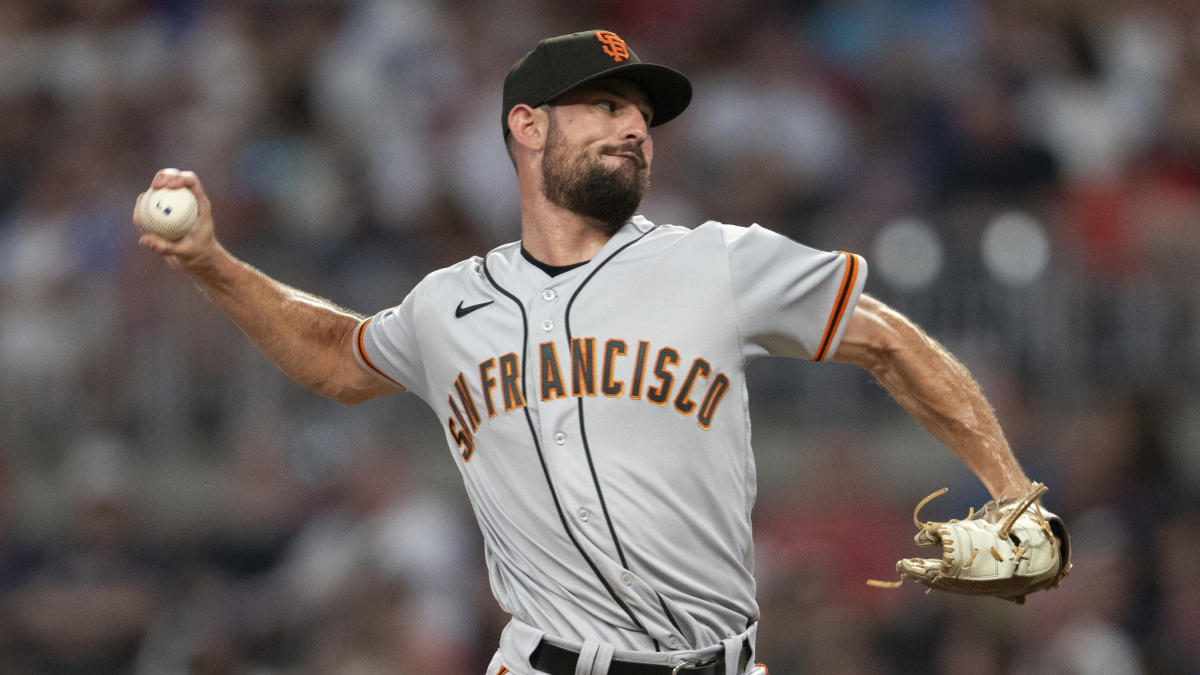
(936, 389)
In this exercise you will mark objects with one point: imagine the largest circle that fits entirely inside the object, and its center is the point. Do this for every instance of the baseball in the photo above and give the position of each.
(169, 212)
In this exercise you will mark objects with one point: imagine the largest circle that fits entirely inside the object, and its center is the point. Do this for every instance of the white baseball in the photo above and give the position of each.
(169, 212)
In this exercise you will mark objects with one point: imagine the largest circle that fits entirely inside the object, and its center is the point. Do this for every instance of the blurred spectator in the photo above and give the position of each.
(1172, 641)
(85, 607)
(384, 569)
(1082, 628)
(19, 559)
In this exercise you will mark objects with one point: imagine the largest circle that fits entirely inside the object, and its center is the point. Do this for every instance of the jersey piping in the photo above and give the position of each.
(362, 351)
(546, 469)
(587, 450)
(849, 277)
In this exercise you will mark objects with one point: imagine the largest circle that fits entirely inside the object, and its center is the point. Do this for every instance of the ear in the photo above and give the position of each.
(528, 126)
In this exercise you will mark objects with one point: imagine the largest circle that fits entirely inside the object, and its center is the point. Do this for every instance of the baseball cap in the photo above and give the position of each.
(558, 64)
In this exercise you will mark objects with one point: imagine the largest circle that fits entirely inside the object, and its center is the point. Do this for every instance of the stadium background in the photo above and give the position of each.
(1023, 176)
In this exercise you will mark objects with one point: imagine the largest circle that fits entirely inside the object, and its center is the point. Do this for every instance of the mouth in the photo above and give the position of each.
(639, 161)
(631, 155)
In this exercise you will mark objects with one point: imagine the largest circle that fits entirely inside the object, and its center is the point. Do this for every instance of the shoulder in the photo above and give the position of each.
(747, 245)
(456, 273)
(464, 275)
(710, 238)
(474, 268)
(716, 231)
(665, 234)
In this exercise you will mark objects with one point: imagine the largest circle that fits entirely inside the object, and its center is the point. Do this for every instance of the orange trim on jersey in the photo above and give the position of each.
(764, 667)
(502, 670)
(362, 352)
(849, 278)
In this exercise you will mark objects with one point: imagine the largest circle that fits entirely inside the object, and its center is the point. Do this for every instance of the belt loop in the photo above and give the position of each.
(733, 650)
(604, 657)
(594, 658)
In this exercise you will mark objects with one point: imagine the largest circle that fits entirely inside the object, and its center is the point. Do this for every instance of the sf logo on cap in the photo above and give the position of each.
(613, 45)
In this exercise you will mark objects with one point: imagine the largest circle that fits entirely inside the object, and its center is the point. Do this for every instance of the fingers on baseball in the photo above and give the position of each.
(174, 178)
(170, 178)
(156, 243)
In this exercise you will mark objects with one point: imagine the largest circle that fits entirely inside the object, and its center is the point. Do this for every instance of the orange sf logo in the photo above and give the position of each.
(613, 45)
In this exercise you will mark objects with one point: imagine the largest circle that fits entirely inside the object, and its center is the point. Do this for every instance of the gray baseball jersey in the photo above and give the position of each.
(600, 420)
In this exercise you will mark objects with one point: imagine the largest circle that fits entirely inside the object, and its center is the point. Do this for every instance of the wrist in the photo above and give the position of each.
(212, 268)
(1017, 491)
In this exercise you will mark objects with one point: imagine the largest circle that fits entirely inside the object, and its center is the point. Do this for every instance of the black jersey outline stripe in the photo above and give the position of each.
(546, 469)
(361, 348)
(587, 450)
(849, 281)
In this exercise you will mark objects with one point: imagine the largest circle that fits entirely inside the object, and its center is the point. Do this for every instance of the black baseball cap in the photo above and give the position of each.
(558, 64)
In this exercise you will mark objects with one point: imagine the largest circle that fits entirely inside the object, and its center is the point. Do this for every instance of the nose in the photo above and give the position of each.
(634, 127)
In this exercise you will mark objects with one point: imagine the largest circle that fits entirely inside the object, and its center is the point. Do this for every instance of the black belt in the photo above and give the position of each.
(557, 660)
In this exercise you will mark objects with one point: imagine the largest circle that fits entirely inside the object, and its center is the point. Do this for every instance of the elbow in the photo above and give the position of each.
(348, 398)
(348, 394)
(352, 385)
(334, 392)
(878, 361)
(884, 363)
(348, 382)
(874, 338)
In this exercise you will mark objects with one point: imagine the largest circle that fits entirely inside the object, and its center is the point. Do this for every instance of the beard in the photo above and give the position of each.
(584, 185)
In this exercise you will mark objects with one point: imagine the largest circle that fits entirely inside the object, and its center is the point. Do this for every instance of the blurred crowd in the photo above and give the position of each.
(1022, 175)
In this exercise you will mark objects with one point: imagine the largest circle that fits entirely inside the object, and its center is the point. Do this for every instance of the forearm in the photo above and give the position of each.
(306, 337)
(938, 391)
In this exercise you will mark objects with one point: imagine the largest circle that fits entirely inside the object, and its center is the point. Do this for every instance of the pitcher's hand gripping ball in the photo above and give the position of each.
(169, 212)
(1005, 550)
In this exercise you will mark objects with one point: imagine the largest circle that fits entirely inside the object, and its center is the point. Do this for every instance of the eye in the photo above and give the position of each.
(607, 105)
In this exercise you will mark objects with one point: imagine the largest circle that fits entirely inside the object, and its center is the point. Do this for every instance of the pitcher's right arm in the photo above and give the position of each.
(309, 338)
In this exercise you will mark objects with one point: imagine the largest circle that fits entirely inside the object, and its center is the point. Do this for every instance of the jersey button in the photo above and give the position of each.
(547, 325)
(560, 438)
(585, 515)
(627, 578)
(549, 294)
(674, 642)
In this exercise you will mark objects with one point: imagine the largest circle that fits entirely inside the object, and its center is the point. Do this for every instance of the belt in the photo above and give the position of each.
(556, 660)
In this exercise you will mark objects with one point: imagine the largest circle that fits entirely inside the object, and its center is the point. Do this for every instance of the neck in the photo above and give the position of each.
(557, 236)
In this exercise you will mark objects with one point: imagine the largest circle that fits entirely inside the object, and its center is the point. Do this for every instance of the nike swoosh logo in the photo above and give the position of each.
(460, 311)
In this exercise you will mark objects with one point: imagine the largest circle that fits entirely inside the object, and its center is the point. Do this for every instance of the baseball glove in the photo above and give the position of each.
(1006, 550)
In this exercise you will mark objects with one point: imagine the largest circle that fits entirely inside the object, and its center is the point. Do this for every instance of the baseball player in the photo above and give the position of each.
(590, 378)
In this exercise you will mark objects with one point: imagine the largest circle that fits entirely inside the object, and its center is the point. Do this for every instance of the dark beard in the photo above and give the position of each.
(586, 187)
